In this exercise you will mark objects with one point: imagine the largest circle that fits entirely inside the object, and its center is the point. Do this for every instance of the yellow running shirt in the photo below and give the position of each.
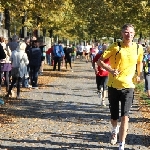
(124, 59)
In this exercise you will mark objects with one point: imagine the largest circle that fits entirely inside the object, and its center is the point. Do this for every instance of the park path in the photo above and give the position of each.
(66, 116)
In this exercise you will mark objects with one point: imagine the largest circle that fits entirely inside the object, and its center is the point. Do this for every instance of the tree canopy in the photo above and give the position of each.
(74, 19)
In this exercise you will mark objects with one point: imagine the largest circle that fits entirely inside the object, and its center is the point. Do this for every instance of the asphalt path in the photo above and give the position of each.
(67, 116)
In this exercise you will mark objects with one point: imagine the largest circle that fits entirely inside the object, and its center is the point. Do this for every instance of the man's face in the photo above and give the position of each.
(128, 34)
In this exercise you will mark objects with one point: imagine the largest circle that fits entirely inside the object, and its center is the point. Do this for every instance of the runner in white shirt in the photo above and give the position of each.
(81, 48)
(87, 51)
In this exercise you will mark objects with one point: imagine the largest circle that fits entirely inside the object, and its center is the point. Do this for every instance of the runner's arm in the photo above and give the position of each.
(139, 68)
(107, 67)
(140, 62)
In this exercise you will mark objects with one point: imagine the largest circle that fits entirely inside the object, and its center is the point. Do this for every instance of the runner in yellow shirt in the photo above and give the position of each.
(123, 58)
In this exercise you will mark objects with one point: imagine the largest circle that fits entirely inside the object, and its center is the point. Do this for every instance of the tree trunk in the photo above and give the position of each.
(7, 20)
(44, 32)
(24, 28)
(141, 35)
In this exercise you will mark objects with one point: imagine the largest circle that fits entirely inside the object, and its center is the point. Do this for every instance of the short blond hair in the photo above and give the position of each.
(22, 46)
(126, 26)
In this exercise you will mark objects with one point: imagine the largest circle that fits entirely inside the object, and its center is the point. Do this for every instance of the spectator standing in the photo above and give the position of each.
(6, 64)
(19, 59)
(2, 57)
(34, 63)
(12, 45)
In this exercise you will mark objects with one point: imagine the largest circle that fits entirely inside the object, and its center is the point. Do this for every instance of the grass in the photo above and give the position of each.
(139, 87)
(144, 108)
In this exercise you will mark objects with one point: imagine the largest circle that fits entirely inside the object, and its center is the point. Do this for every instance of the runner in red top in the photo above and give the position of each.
(101, 77)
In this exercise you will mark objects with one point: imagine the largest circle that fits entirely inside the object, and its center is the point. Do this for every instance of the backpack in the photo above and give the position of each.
(100, 47)
(2, 52)
(58, 51)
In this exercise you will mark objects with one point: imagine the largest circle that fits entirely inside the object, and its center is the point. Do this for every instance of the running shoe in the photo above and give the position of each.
(121, 147)
(103, 103)
(114, 134)
(99, 94)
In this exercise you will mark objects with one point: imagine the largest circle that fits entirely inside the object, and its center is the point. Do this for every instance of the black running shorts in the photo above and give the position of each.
(125, 96)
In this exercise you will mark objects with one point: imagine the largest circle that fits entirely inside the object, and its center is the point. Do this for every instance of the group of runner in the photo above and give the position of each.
(114, 68)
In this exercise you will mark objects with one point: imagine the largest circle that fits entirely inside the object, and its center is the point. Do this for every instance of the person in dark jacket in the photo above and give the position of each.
(34, 63)
(68, 51)
(2, 53)
(2, 56)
